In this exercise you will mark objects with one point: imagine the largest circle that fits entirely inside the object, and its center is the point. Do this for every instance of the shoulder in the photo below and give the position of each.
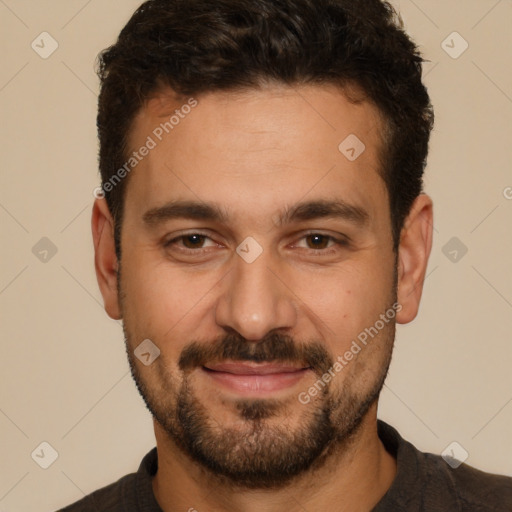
(106, 499)
(130, 493)
(474, 489)
(426, 482)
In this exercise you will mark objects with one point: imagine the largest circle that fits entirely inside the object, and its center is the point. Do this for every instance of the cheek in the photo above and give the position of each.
(163, 301)
(346, 301)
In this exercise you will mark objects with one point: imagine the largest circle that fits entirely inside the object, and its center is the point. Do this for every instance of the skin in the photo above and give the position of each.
(256, 154)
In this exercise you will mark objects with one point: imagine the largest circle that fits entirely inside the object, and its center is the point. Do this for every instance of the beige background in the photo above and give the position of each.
(64, 375)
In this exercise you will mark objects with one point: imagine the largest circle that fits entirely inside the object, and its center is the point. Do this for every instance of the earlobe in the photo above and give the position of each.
(105, 259)
(413, 254)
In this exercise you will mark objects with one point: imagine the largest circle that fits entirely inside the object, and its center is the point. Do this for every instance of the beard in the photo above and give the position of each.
(261, 451)
(260, 455)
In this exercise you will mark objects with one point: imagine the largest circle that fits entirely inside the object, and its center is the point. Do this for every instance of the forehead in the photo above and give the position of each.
(257, 150)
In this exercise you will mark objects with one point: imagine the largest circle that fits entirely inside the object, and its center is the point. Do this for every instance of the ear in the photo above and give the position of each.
(413, 254)
(105, 259)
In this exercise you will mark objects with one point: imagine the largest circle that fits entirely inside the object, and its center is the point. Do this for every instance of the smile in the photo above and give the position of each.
(254, 378)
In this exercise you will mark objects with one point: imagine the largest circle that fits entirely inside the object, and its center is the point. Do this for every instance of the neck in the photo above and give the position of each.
(354, 478)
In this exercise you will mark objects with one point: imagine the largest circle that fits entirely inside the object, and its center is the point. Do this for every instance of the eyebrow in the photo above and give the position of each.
(322, 209)
(301, 212)
(194, 210)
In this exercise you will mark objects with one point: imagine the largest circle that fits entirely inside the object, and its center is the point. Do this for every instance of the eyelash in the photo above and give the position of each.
(340, 242)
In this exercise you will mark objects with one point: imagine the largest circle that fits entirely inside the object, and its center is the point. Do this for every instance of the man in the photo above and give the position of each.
(260, 229)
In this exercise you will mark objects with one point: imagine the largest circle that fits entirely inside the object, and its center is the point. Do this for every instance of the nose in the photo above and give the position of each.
(255, 300)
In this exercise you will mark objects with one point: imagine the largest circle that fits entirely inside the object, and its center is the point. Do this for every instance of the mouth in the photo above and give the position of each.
(253, 378)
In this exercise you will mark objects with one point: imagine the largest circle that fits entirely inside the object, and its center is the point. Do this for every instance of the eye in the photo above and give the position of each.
(318, 242)
(193, 241)
(190, 241)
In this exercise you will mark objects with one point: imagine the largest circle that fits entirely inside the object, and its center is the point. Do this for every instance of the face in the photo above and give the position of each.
(255, 257)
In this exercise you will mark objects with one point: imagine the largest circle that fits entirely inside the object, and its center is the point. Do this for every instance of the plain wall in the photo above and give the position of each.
(64, 375)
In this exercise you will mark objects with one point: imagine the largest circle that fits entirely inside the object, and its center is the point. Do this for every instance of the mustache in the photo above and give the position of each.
(273, 348)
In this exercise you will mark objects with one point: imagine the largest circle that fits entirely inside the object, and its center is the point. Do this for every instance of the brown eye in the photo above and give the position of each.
(317, 241)
(193, 241)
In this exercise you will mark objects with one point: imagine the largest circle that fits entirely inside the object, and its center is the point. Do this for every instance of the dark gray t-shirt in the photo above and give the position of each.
(424, 483)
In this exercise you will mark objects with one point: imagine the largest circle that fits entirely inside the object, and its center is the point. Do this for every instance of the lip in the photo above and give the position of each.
(247, 378)
(252, 369)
